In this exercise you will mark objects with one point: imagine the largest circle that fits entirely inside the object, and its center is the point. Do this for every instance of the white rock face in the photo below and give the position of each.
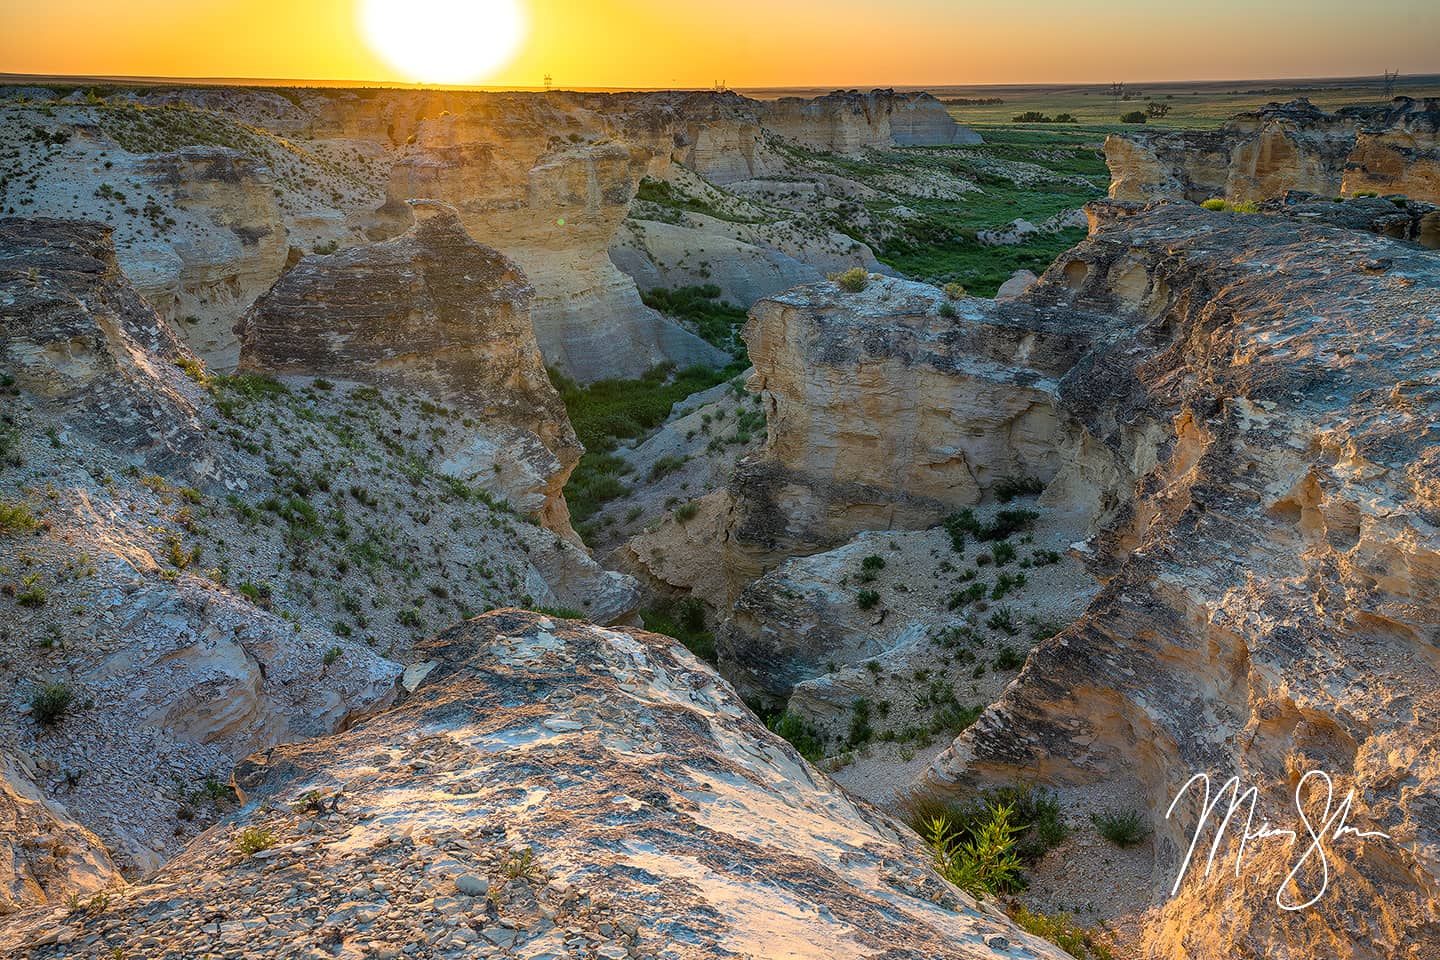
(553, 783)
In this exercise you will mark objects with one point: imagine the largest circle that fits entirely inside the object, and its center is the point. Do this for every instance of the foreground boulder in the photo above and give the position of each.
(1269, 604)
(550, 787)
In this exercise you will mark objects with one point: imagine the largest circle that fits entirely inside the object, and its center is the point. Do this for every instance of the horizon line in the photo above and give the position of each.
(7, 78)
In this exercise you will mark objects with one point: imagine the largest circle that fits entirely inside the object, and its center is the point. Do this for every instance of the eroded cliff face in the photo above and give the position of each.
(848, 121)
(432, 312)
(1284, 147)
(550, 785)
(885, 413)
(1268, 604)
(195, 567)
(212, 195)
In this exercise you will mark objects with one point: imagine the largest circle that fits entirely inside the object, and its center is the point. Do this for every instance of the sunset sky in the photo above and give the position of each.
(660, 43)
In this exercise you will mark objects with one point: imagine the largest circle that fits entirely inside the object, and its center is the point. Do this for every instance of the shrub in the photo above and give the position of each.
(947, 309)
(1004, 621)
(687, 511)
(954, 291)
(982, 859)
(252, 840)
(1008, 659)
(666, 466)
(801, 735)
(683, 620)
(1134, 116)
(1124, 828)
(1061, 930)
(854, 280)
(16, 518)
(860, 729)
(50, 702)
(867, 599)
(1004, 552)
(1036, 811)
(1007, 523)
(873, 562)
(1215, 203)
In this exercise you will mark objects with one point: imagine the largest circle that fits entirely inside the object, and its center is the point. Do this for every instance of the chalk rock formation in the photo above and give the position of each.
(438, 314)
(848, 121)
(1398, 219)
(45, 856)
(885, 414)
(1284, 147)
(80, 339)
(1269, 602)
(550, 782)
(553, 205)
(232, 249)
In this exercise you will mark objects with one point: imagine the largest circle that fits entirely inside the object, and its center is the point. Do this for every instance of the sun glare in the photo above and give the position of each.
(444, 41)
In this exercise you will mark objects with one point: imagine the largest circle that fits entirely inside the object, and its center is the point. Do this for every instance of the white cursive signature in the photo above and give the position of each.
(1331, 825)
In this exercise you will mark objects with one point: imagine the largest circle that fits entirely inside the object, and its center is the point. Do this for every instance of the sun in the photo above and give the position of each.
(444, 41)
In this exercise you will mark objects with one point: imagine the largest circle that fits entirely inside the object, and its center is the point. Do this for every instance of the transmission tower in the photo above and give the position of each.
(549, 83)
(1390, 77)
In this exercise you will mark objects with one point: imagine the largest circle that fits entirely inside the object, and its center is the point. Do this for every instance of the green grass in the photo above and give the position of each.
(1036, 814)
(685, 621)
(608, 411)
(1124, 828)
(1061, 929)
(16, 518)
(716, 321)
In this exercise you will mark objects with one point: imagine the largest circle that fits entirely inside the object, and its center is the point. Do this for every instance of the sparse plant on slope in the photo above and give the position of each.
(853, 280)
(981, 860)
(50, 702)
(1124, 828)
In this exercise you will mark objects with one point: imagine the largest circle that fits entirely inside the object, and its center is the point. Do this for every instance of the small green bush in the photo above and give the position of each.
(981, 860)
(1061, 930)
(252, 840)
(801, 735)
(50, 702)
(867, 599)
(854, 280)
(687, 511)
(1134, 116)
(16, 518)
(1124, 828)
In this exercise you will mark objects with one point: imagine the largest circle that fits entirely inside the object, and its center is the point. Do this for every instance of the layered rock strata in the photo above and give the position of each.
(1390, 149)
(549, 784)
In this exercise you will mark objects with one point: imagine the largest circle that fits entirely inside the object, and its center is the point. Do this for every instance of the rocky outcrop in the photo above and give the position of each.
(45, 856)
(1395, 218)
(547, 784)
(553, 204)
(1268, 605)
(886, 413)
(80, 339)
(435, 313)
(232, 248)
(848, 121)
(1284, 147)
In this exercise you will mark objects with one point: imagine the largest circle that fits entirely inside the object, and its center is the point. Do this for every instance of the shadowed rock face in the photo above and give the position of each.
(549, 780)
(77, 334)
(1269, 603)
(1283, 147)
(436, 313)
(885, 413)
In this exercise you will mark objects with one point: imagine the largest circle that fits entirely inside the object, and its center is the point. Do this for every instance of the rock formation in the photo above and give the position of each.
(885, 413)
(195, 567)
(431, 312)
(212, 194)
(1391, 149)
(1268, 605)
(548, 785)
(848, 121)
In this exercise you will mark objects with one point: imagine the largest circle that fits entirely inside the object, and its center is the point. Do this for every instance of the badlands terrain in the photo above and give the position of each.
(684, 525)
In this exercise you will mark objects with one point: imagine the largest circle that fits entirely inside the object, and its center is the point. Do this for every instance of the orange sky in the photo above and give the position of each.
(656, 43)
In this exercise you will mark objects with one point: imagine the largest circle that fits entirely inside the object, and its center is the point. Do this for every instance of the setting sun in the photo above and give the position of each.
(444, 41)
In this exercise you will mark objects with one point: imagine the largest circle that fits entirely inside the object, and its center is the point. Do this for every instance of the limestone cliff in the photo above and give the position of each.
(848, 121)
(549, 787)
(1283, 147)
(194, 567)
(1268, 604)
(438, 314)
(886, 413)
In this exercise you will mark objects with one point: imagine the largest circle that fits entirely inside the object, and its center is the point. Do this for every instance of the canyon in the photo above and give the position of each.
(320, 641)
